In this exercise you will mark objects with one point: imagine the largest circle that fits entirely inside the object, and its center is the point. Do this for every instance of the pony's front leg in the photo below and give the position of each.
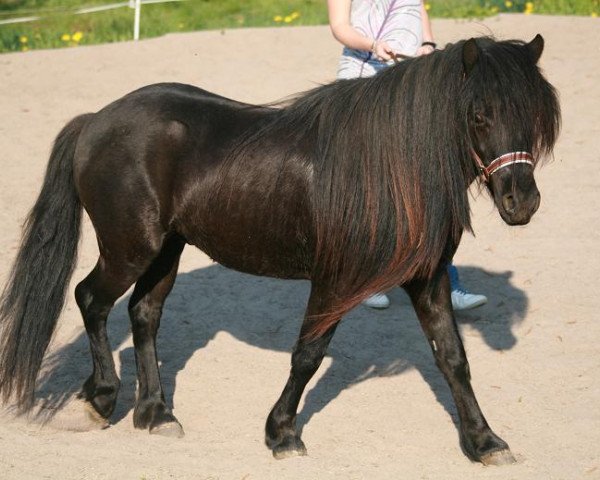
(432, 303)
(281, 434)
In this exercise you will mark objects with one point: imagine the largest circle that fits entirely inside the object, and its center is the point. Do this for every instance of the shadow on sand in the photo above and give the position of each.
(267, 313)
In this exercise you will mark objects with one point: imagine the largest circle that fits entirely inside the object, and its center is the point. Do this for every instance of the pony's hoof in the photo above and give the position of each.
(289, 447)
(168, 429)
(76, 416)
(102, 398)
(94, 417)
(500, 457)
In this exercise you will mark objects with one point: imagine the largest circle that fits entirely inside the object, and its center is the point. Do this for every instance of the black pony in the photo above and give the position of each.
(359, 186)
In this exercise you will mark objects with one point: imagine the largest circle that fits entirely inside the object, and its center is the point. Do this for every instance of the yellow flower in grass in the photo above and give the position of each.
(277, 18)
(494, 10)
(508, 4)
(288, 19)
(23, 39)
(594, 14)
(295, 15)
(65, 37)
(528, 8)
(428, 6)
(77, 36)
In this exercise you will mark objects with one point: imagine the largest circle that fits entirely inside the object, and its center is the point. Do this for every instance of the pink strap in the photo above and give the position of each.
(501, 162)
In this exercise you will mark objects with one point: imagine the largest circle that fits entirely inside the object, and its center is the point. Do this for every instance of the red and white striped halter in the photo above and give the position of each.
(501, 162)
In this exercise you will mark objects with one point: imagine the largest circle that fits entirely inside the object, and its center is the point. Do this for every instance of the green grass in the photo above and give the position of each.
(58, 23)
(157, 19)
(484, 8)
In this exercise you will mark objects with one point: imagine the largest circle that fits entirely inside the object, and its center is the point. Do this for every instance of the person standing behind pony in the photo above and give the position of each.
(374, 33)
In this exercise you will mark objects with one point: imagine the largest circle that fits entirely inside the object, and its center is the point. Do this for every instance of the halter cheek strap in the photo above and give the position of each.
(501, 162)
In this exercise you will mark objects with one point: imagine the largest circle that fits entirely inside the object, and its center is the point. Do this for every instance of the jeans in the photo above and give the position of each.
(454, 280)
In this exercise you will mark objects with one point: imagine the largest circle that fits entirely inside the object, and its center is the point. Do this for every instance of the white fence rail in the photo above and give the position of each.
(134, 4)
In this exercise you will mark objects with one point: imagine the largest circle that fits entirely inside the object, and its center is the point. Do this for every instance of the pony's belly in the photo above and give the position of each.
(256, 256)
(255, 218)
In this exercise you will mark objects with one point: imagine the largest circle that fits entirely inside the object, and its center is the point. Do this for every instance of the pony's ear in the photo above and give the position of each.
(470, 55)
(535, 47)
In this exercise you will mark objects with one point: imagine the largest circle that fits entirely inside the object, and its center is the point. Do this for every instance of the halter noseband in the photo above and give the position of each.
(501, 162)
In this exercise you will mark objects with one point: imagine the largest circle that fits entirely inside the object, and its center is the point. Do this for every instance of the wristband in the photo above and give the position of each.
(429, 44)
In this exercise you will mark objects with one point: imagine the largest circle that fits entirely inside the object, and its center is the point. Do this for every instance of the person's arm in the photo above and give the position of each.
(427, 32)
(342, 30)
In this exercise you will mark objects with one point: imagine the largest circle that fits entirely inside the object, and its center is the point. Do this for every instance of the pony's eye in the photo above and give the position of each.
(479, 120)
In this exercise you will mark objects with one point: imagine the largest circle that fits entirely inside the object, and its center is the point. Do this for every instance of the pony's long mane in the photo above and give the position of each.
(400, 158)
(391, 163)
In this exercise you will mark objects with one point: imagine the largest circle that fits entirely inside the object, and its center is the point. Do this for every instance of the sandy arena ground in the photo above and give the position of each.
(378, 408)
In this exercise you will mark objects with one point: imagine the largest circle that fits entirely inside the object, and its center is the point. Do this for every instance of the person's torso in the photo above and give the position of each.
(398, 22)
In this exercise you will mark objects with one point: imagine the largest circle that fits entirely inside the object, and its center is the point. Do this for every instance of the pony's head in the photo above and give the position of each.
(512, 117)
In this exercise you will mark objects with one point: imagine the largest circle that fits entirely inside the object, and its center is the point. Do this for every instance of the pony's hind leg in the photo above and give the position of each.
(145, 309)
(431, 300)
(282, 436)
(95, 296)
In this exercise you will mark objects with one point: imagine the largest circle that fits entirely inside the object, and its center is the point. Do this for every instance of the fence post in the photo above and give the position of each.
(136, 21)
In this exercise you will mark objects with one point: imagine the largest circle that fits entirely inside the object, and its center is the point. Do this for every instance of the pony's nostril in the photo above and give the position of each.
(508, 202)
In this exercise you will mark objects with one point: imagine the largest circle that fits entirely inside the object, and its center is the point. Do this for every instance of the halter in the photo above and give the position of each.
(501, 162)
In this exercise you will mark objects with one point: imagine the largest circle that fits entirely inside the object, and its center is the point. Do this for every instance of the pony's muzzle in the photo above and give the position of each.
(517, 208)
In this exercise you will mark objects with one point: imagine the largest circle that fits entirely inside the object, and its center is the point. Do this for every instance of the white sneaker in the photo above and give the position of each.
(379, 300)
(462, 300)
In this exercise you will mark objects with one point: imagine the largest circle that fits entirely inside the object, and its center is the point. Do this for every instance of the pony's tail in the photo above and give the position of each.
(34, 295)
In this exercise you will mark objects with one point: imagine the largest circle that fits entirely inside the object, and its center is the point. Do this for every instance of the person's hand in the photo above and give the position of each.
(382, 51)
(425, 50)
